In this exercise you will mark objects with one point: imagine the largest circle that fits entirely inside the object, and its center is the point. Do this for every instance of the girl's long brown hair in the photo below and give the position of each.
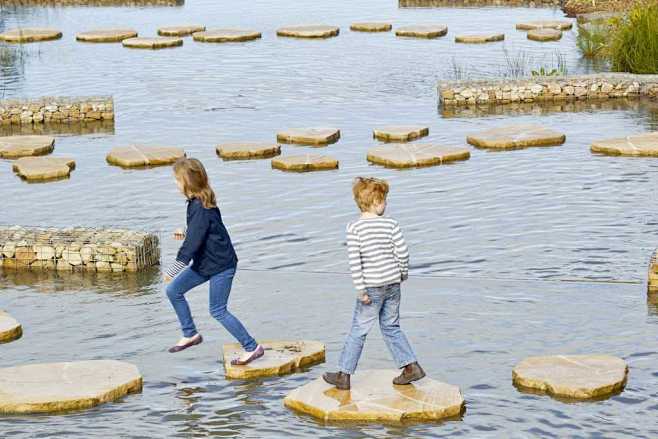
(193, 176)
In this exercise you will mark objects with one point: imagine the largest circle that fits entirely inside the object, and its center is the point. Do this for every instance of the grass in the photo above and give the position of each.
(592, 40)
(634, 46)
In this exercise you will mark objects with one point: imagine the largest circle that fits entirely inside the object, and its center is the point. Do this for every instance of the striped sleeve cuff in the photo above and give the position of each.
(175, 268)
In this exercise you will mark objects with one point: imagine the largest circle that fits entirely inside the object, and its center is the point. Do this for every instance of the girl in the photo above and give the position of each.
(209, 246)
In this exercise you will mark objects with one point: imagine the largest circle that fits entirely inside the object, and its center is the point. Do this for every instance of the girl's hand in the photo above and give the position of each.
(365, 299)
(179, 234)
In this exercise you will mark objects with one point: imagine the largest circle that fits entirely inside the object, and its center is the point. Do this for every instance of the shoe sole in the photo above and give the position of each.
(260, 352)
(177, 349)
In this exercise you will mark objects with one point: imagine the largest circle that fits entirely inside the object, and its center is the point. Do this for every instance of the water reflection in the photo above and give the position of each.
(59, 129)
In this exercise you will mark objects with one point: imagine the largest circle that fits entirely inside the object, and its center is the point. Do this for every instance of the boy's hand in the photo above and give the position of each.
(365, 299)
(166, 278)
(405, 277)
(179, 234)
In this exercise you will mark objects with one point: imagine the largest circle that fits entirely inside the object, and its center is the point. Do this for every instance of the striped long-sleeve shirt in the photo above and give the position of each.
(378, 254)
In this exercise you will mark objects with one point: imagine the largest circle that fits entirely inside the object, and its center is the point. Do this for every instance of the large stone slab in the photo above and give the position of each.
(422, 31)
(152, 43)
(10, 329)
(226, 35)
(30, 35)
(400, 133)
(248, 150)
(374, 398)
(572, 376)
(309, 136)
(638, 145)
(136, 156)
(56, 387)
(371, 26)
(305, 163)
(281, 357)
(479, 38)
(180, 31)
(43, 168)
(544, 35)
(545, 24)
(516, 137)
(310, 31)
(13, 147)
(402, 155)
(106, 35)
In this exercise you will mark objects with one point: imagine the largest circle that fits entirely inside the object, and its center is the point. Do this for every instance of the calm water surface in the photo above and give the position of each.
(544, 214)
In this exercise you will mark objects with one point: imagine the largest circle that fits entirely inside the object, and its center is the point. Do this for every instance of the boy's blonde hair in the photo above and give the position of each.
(193, 177)
(369, 192)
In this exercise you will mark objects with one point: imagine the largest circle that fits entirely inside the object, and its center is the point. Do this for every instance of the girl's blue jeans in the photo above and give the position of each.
(220, 289)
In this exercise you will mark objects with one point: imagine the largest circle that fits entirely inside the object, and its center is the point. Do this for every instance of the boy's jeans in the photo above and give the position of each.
(385, 306)
(220, 288)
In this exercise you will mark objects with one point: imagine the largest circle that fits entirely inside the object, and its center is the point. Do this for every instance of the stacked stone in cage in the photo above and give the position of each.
(77, 249)
(652, 278)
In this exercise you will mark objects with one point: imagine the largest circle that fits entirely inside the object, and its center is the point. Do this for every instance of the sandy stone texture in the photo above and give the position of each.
(572, 376)
(652, 278)
(309, 136)
(56, 387)
(544, 35)
(180, 31)
(371, 26)
(106, 35)
(152, 43)
(400, 133)
(545, 24)
(305, 163)
(248, 150)
(310, 31)
(516, 137)
(43, 168)
(226, 36)
(136, 156)
(30, 35)
(638, 145)
(374, 398)
(281, 357)
(479, 38)
(13, 147)
(403, 155)
(10, 329)
(422, 31)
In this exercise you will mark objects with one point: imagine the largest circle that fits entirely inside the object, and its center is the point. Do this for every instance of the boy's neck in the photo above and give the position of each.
(366, 215)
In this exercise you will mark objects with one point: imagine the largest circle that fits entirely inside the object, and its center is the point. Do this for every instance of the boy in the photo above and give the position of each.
(379, 261)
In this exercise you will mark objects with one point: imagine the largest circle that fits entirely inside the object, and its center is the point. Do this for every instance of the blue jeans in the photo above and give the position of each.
(385, 306)
(220, 288)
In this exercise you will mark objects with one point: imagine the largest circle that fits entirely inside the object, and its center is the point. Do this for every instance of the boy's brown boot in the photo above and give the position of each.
(339, 379)
(411, 372)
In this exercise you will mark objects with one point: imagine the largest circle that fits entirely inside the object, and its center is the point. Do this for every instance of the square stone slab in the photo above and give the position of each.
(638, 145)
(106, 35)
(400, 133)
(402, 155)
(545, 24)
(309, 136)
(138, 156)
(180, 31)
(572, 376)
(371, 27)
(43, 168)
(422, 31)
(10, 329)
(13, 147)
(152, 43)
(56, 387)
(479, 38)
(226, 36)
(248, 150)
(310, 31)
(516, 137)
(305, 163)
(374, 398)
(30, 35)
(281, 357)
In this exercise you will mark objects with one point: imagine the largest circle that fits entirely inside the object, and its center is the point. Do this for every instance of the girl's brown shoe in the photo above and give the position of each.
(339, 379)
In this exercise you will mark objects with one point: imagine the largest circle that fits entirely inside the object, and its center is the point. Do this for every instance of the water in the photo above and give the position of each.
(544, 214)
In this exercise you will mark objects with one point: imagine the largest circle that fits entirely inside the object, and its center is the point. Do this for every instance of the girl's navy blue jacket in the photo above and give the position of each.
(207, 243)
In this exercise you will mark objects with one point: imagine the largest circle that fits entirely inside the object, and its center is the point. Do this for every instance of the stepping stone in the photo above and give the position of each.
(281, 357)
(312, 31)
(305, 163)
(43, 168)
(639, 145)
(422, 31)
(248, 150)
(401, 155)
(400, 133)
(479, 38)
(152, 43)
(544, 35)
(226, 36)
(572, 376)
(137, 156)
(30, 35)
(106, 35)
(10, 329)
(12, 147)
(545, 24)
(371, 27)
(180, 31)
(516, 137)
(374, 398)
(309, 136)
(56, 387)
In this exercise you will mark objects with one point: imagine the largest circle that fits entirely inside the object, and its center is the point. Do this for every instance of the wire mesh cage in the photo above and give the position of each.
(78, 249)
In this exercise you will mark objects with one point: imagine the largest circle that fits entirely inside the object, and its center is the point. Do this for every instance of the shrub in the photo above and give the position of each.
(593, 39)
(634, 46)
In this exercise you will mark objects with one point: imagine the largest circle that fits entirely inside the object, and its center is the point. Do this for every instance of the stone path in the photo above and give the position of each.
(371, 26)
(414, 155)
(305, 163)
(479, 38)
(10, 329)
(152, 43)
(422, 31)
(136, 156)
(30, 35)
(281, 357)
(43, 168)
(545, 24)
(400, 133)
(544, 35)
(180, 31)
(13, 147)
(106, 35)
(309, 136)
(248, 150)
(311, 31)
(516, 137)
(226, 36)
(638, 145)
